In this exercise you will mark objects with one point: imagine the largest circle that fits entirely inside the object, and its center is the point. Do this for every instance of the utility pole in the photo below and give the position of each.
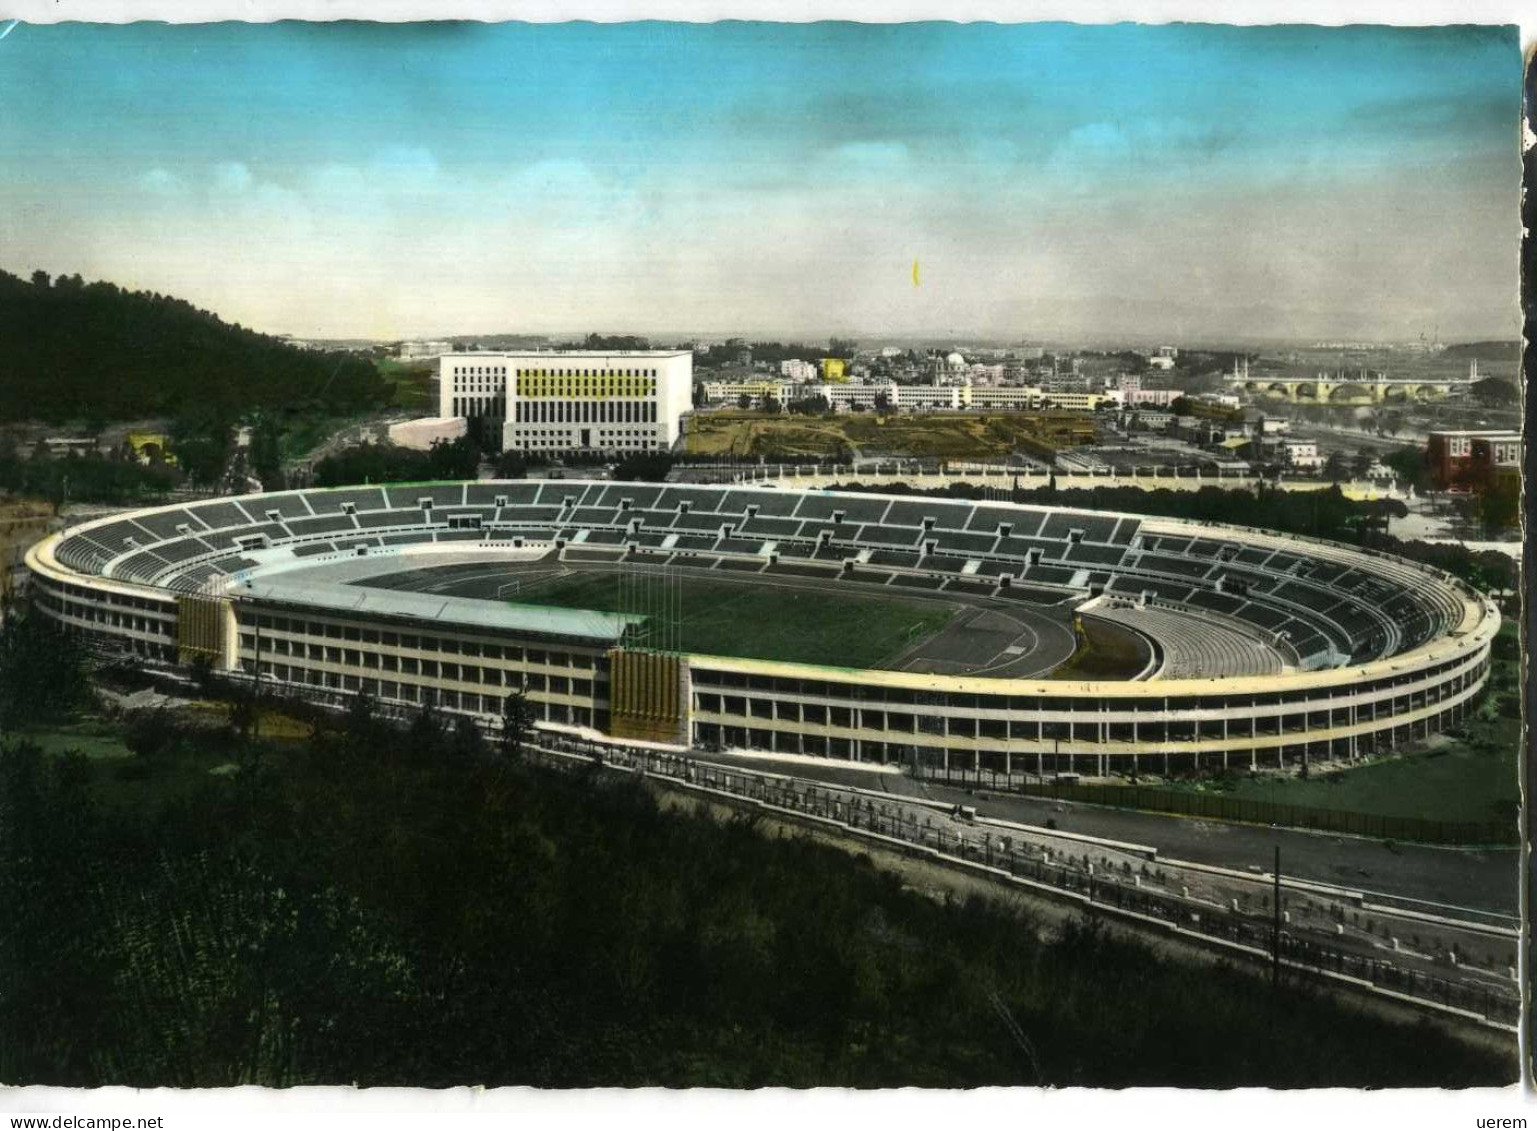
(1275, 932)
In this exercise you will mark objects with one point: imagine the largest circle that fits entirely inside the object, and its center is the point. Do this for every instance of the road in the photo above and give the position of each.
(1486, 881)
(1432, 955)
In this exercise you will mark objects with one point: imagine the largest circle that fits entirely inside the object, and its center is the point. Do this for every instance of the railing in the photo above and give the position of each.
(1216, 806)
(1016, 859)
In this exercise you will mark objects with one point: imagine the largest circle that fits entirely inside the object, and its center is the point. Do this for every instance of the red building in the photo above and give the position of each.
(1473, 458)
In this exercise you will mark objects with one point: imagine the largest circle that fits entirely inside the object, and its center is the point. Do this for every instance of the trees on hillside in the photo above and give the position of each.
(811, 406)
(42, 669)
(1499, 505)
(93, 351)
(1494, 392)
(85, 479)
(385, 463)
(1410, 465)
(643, 467)
(517, 722)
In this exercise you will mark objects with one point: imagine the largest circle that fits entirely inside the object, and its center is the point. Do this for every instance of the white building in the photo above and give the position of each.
(797, 370)
(1002, 398)
(421, 350)
(573, 400)
(1225, 400)
(1150, 420)
(912, 397)
(1155, 398)
(731, 392)
(1300, 454)
(848, 396)
(1082, 402)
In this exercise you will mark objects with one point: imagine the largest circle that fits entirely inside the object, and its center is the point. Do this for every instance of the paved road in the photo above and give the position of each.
(1483, 881)
(1469, 964)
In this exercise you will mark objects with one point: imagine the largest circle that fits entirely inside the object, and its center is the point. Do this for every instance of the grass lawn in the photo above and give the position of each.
(129, 783)
(95, 737)
(805, 626)
(303, 433)
(411, 382)
(1108, 651)
(1471, 775)
(1453, 783)
(947, 435)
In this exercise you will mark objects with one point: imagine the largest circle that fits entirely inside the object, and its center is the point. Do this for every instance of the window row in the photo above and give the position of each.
(426, 669)
(389, 638)
(1089, 726)
(585, 412)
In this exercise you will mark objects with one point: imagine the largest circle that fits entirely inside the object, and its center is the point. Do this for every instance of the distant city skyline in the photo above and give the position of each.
(1099, 184)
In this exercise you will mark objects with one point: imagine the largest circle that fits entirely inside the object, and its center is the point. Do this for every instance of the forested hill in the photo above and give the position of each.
(93, 351)
(1484, 350)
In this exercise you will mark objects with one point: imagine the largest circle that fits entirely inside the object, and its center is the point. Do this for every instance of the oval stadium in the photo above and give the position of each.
(881, 629)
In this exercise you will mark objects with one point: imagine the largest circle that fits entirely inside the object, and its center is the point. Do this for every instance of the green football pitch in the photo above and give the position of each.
(808, 626)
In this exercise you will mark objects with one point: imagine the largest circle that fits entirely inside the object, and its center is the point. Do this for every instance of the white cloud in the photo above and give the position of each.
(232, 177)
(160, 182)
(871, 153)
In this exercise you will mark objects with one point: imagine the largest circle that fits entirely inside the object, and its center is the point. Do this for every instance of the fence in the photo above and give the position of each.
(1015, 858)
(1219, 807)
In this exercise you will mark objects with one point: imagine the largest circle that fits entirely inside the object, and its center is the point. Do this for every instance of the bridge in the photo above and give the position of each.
(1356, 389)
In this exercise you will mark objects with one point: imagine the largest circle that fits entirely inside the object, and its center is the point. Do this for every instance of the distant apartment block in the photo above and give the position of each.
(1154, 398)
(416, 351)
(913, 398)
(1301, 455)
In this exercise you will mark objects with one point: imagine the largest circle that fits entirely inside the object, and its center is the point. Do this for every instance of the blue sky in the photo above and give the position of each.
(1052, 180)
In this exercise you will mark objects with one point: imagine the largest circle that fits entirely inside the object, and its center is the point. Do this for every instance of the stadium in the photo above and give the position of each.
(1018, 640)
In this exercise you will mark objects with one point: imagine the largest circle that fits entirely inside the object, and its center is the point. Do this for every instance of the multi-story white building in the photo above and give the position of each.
(853, 396)
(1159, 398)
(422, 350)
(795, 369)
(731, 392)
(1080, 401)
(572, 400)
(1004, 398)
(1302, 455)
(911, 397)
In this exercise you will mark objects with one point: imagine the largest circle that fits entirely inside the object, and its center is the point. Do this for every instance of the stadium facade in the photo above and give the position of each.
(1362, 652)
(550, 402)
